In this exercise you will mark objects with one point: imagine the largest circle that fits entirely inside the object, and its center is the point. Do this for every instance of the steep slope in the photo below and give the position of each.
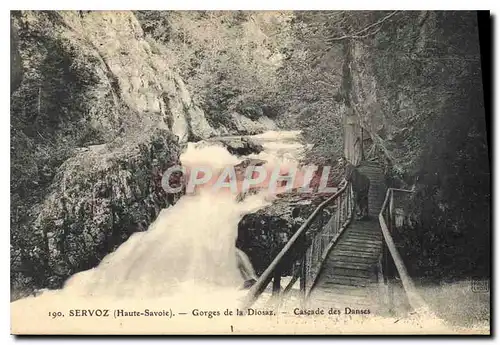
(97, 114)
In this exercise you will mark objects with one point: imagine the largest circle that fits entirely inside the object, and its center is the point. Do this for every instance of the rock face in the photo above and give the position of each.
(397, 94)
(100, 197)
(96, 116)
(245, 125)
(144, 81)
(97, 199)
(416, 89)
(261, 235)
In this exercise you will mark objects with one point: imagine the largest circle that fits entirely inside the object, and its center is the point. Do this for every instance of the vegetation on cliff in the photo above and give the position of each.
(411, 81)
(229, 59)
(95, 116)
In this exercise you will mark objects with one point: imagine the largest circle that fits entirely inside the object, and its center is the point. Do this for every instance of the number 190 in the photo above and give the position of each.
(54, 314)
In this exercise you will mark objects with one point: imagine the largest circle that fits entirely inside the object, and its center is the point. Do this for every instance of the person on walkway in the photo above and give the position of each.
(360, 186)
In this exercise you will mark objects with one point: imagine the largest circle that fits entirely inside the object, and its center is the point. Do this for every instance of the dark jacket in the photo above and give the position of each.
(360, 182)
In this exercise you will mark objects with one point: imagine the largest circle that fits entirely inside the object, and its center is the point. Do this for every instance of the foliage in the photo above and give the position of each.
(228, 59)
(309, 84)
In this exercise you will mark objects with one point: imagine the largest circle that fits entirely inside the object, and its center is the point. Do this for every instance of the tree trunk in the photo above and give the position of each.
(353, 134)
(16, 67)
(353, 140)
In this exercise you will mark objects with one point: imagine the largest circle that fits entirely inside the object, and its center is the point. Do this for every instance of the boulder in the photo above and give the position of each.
(102, 196)
(241, 146)
(262, 235)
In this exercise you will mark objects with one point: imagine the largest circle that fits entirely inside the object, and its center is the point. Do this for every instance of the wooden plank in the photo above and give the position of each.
(349, 272)
(357, 266)
(361, 247)
(348, 249)
(362, 241)
(366, 225)
(351, 253)
(364, 232)
(367, 266)
(361, 270)
(327, 294)
(367, 235)
(367, 232)
(372, 250)
(345, 280)
(355, 259)
(368, 228)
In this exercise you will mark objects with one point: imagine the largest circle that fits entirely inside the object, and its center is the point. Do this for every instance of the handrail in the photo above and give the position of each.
(415, 300)
(268, 274)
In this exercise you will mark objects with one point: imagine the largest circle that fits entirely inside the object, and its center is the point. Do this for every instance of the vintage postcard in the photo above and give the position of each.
(249, 172)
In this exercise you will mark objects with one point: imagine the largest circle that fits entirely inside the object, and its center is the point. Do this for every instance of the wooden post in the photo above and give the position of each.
(390, 288)
(388, 269)
(303, 273)
(386, 274)
(391, 211)
(341, 206)
(277, 282)
(390, 217)
(348, 201)
(391, 267)
(338, 215)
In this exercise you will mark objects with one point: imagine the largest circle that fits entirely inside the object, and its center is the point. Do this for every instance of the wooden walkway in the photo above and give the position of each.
(348, 277)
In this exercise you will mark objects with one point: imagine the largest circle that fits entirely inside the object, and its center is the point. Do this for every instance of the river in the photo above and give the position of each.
(187, 256)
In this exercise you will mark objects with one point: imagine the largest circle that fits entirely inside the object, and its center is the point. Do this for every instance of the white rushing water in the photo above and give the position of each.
(191, 245)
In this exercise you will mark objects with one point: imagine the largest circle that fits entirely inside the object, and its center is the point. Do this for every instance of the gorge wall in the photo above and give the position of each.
(414, 86)
(410, 83)
(97, 115)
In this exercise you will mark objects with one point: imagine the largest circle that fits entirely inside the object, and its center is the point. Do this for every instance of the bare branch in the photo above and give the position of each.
(362, 31)
(369, 34)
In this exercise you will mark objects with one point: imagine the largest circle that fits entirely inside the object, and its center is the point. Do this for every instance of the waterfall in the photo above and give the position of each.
(190, 248)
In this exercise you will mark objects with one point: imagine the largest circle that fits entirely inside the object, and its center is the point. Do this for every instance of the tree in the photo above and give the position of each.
(229, 59)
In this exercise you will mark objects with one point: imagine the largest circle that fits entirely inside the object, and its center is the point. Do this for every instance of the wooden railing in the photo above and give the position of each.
(304, 253)
(391, 264)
